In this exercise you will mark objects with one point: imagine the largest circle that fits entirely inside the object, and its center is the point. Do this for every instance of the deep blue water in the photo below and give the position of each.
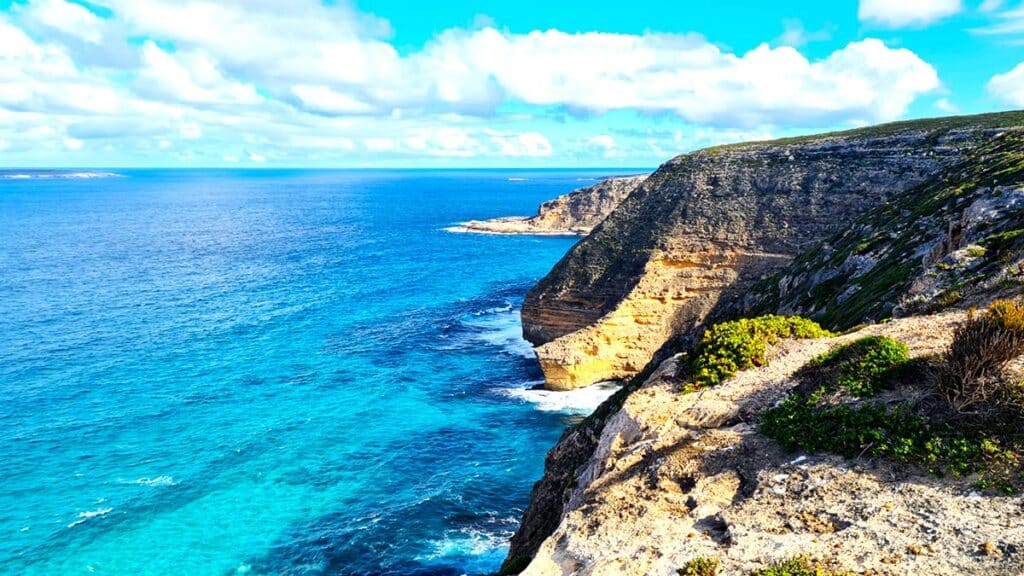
(267, 372)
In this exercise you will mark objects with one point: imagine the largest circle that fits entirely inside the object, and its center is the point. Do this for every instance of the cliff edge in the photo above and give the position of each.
(706, 227)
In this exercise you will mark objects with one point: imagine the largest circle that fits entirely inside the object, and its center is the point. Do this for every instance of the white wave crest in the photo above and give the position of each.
(56, 175)
(85, 516)
(469, 542)
(580, 401)
(156, 481)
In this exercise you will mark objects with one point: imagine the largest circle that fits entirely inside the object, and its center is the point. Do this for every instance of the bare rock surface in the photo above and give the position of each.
(670, 477)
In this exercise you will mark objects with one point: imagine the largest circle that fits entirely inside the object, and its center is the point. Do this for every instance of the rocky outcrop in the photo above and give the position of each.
(672, 477)
(697, 237)
(954, 240)
(575, 213)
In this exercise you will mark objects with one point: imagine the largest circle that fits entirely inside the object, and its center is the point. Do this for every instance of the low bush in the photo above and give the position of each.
(863, 367)
(729, 347)
(799, 566)
(703, 566)
(877, 430)
(973, 372)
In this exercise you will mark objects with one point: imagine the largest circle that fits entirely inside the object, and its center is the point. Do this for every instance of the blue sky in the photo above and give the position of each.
(392, 83)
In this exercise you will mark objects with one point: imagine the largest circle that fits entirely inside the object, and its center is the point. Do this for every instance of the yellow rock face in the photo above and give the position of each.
(673, 294)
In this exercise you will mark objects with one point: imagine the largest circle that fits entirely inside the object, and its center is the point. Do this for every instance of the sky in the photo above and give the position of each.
(530, 83)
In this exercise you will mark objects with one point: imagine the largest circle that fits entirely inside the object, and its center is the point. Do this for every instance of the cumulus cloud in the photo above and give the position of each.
(901, 13)
(308, 76)
(189, 77)
(1009, 87)
(1007, 22)
(70, 19)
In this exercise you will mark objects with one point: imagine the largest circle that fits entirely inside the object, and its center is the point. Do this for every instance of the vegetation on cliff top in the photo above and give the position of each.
(862, 273)
(912, 427)
(798, 566)
(993, 121)
(862, 368)
(702, 566)
(729, 347)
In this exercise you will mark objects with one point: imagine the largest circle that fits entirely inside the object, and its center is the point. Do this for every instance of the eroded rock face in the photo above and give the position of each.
(707, 226)
(577, 212)
(673, 477)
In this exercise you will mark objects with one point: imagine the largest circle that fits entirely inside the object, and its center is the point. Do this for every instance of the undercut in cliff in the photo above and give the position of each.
(708, 227)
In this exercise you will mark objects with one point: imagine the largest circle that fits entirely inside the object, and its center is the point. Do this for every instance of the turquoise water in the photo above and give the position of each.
(267, 372)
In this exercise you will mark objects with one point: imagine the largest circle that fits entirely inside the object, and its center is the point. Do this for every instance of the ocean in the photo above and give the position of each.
(269, 372)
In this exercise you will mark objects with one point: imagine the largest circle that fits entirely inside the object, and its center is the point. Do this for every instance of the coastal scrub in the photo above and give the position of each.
(729, 347)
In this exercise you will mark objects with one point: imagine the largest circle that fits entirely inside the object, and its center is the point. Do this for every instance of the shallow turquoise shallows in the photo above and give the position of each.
(267, 372)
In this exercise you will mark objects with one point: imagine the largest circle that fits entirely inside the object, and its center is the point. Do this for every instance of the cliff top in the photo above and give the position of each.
(988, 121)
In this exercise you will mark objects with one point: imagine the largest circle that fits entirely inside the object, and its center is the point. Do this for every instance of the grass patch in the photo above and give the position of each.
(862, 368)
(703, 566)
(1004, 245)
(799, 566)
(877, 430)
(927, 431)
(729, 347)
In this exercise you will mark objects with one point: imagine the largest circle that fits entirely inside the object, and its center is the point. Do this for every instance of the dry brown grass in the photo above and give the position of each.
(973, 378)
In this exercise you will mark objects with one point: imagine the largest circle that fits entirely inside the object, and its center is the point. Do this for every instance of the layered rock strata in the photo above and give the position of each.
(703, 230)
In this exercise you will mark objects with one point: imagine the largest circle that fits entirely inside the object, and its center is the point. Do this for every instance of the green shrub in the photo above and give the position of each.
(975, 251)
(972, 377)
(881, 431)
(799, 566)
(863, 367)
(703, 566)
(729, 347)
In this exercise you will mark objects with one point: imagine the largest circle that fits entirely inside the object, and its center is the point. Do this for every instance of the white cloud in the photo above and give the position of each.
(794, 34)
(605, 143)
(944, 105)
(991, 5)
(1008, 22)
(865, 81)
(191, 131)
(528, 144)
(1009, 87)
(189, 77)
(325, 100)
(71, 19)
(323, 79)
(901, 13)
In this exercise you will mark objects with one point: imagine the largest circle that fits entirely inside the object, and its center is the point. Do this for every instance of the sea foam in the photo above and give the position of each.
(579, 401)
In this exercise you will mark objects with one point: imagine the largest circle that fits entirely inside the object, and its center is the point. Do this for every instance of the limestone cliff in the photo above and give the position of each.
(708, 226)
(577, 212)
(654, 477)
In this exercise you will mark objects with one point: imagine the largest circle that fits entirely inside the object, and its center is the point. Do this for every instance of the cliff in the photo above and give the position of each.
(709, 226)
(673, 477)
(575, 213)
(660, 475)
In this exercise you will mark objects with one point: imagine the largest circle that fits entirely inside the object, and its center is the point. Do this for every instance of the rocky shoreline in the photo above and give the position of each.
(573, 214)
